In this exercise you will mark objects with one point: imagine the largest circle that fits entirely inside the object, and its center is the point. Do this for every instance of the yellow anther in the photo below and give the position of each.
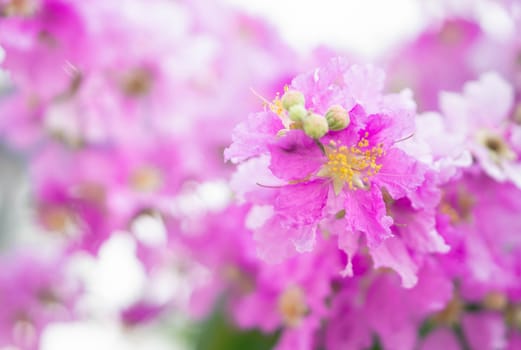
(292, 306)
(146, 179)
(352, 165)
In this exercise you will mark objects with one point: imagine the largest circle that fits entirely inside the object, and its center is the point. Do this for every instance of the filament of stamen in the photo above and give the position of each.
(353, 165)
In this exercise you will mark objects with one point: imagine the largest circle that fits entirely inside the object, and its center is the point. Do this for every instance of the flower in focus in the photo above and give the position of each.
(337, 182)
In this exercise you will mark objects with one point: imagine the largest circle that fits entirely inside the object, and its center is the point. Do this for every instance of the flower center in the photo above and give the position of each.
(48, 297)
(146, 179)
(292, 306)
(495, 301)
(21, 8)
(458, 207)
(239, 279)
(517, 113)
(137, 82)
(451, 34)
(353, 165)
(496, 146)
(57, 218)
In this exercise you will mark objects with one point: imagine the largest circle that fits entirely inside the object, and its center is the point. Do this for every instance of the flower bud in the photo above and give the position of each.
(292, 98)
(337, 118)
(315, 126)
(297, 113)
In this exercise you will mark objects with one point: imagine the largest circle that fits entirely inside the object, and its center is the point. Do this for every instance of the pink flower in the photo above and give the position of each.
(51, 32)
(34, 292)
(481, 117)
(289, 296)
(347, 174)
(358, 309)
(480, 221)
(88, 193)
(422, 64)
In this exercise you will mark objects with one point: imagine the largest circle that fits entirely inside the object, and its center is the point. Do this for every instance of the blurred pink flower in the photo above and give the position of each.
(34, 292)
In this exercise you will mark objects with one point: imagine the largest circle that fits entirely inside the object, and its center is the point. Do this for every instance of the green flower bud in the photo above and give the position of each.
(292, 98)
(315, 126)
(297, 113)
(337, 118)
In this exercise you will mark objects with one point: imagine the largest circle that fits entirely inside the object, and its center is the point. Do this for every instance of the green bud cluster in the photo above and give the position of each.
(337, 118)
(314, 125)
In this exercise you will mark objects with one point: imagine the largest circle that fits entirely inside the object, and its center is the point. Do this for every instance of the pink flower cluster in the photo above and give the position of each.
(422, 228)
(350, 213)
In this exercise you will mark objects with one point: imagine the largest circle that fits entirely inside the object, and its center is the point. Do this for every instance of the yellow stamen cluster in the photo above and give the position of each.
(56, 218)
(239, 279)
(146, 179)
(460, 209)
(451, 34)
(292, 306)
(495, 301)
(277, 107)
(496, 145)
(22, 8)
(353, 165)
(137, 82)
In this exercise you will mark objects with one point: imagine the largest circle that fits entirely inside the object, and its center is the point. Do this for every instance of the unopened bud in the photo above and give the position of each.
(315, 126)
(292, 98)
(297, 113)
(337, 118)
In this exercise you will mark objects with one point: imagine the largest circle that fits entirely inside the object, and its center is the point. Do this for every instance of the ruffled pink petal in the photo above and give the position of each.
(400, 174)
(366, 212)
(417, 229)
(251, 138)
(393, 254)
(295, 156)
(277, 242)
(302, 203)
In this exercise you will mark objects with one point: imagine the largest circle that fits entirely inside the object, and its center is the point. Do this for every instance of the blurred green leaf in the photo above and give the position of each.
(217, 333)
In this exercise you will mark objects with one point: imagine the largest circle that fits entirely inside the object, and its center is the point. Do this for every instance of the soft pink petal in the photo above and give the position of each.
(302, 203)
(484, 330)
(366, 212)
(442, 338)
(252, 137)
(393, 254)
(295, 156)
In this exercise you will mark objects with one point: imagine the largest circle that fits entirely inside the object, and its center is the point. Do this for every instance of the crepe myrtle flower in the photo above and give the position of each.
(53, 33)
(328, 150)
(456, 40)
(91, 192)
(35, 291)
(481, 117)
(289, 297)
(358, 306)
